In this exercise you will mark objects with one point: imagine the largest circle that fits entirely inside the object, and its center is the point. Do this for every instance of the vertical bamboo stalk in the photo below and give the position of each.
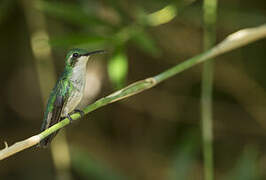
(209, 38)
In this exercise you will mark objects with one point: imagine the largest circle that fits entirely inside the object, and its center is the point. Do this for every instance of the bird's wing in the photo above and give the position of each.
(57, 109)
(55, 106)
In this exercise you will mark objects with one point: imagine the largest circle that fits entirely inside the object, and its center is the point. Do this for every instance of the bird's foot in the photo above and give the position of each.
(69, 117)
(81, 113)
(75, 111)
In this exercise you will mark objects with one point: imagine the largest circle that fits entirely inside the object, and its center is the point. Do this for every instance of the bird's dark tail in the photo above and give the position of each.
(51, 118)
(46, 141)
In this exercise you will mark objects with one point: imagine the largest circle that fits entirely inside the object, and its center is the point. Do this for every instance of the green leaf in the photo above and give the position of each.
(146, 43)
(89, 168)
(78, 39)
(5, 8)
(71, 13)
(246, 167)
(162, 16)
(118, 68)
(184, 157)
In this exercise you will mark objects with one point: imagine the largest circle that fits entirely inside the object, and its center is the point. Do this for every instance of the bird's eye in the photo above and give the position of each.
(75, 55)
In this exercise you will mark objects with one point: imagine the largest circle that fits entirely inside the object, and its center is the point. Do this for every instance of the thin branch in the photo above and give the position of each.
(232, 42)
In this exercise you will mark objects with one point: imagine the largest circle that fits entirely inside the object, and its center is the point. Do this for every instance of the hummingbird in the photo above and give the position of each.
(68, 91)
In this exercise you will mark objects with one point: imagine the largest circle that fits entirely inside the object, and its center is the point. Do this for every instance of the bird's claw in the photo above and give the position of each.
(80, 112)
(75, 111)
(70, 118)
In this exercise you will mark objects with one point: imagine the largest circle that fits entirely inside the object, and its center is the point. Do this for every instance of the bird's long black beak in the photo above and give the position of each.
(94, 52)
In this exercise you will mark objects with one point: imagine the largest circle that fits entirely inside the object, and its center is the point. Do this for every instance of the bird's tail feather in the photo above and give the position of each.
(46, 141)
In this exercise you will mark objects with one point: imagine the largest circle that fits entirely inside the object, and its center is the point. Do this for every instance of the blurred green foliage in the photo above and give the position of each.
(147, 136)
(117, 68)
(184, 157)
(246, 166)
(89, 168)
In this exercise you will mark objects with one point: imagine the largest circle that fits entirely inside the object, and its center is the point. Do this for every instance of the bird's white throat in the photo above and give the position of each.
(79, 70)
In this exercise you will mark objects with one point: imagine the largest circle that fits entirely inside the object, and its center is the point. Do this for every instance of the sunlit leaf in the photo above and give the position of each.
(118, 68)
(162, 16)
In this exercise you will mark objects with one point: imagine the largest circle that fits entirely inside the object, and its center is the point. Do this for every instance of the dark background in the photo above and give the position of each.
(152, 135)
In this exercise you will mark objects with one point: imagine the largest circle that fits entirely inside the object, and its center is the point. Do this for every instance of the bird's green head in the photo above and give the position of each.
(79, 56)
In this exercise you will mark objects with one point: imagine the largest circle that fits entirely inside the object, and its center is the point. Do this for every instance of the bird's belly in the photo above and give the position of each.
(73, 100)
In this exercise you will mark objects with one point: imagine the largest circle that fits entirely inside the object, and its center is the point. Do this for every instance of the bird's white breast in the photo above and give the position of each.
(78, 79)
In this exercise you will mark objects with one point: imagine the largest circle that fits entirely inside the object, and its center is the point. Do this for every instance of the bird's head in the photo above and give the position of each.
(77, 57)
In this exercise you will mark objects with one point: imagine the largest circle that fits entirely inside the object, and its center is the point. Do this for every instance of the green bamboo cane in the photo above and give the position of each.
(209, 38)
